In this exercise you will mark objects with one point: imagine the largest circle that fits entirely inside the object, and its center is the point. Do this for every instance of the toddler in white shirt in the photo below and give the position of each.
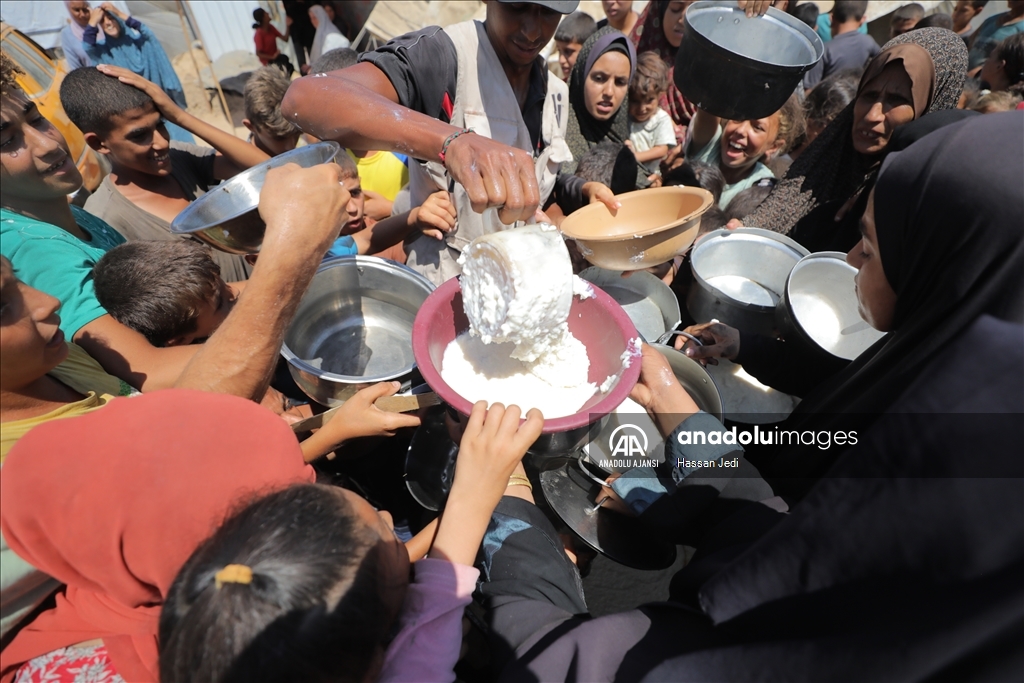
(651, 132)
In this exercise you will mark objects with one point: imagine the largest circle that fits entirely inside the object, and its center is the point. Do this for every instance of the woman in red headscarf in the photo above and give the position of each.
(112, 503)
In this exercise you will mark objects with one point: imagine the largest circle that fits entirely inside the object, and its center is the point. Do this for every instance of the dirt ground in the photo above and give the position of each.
(202, 103)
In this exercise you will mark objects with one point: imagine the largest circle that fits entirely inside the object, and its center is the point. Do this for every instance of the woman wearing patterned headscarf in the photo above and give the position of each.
(821, 198)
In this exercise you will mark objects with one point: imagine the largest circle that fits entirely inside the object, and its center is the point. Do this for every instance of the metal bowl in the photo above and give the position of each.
(648, 301)
(741, 68)
(651, 227)
(353, 327)
(820, 306)
(740, 276)
(227, 217)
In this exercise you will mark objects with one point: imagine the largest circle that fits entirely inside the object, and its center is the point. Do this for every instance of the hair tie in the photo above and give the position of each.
(233, 573)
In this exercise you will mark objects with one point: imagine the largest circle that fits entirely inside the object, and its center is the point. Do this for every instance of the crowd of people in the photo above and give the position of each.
(162, 521)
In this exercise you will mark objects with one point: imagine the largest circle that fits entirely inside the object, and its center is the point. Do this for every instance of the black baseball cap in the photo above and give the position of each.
(561, 6)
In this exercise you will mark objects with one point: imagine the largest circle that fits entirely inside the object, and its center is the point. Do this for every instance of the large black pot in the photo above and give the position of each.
(741, 68)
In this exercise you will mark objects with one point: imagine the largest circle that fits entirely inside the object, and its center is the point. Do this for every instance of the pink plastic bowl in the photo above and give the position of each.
(599, 322)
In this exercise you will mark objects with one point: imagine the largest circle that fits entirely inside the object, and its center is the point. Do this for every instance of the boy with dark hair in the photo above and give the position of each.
(963, 14)
(269, 131)
(807, 13)
(572, 32)
(334, 60)
(170, 292)
(904, 19)
(363, 235)
(848, 49)
(619, 15)
(54, 246)
(152, 179)
(651, 131)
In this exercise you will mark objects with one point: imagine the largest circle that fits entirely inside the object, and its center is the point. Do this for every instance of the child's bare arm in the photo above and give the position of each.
(702, 128)
(492, 446)
(653, 154)
(435, 216)
(234, 155)
(358, 417)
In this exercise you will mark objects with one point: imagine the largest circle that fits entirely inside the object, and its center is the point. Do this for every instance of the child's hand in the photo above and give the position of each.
(629, 143)
(660, 393)
(96, 16)
(493, 444)
(599, 192)
(360, 417)
(164, 104)
(304, 209)
(436, 216)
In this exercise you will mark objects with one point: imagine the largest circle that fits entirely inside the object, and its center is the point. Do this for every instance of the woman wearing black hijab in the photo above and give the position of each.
(943, 245)
(599, 110)
(904, 561)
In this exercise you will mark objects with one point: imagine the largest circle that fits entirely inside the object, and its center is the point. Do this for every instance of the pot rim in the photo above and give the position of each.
(582, 418)
(356, 260)
(177, 225)
(787, 300)
(777, 16)
(707, 200)
(724, 233)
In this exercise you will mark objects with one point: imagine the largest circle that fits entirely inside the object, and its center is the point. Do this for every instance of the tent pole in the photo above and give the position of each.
(188, 44)
(213, 74)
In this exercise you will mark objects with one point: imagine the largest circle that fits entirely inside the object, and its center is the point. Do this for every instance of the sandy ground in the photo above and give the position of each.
(202, 103)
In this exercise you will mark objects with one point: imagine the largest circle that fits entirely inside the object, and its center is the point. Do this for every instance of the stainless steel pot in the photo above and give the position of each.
(648, 301)
(819, 307)
(740, 276)
(353, 327)
(740, 68)
(227, 216)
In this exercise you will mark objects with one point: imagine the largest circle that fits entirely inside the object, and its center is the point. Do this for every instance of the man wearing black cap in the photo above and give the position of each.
(421, 94)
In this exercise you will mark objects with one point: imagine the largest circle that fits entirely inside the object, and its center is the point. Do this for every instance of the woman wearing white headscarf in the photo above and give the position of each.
(71, 36)
(328, 37)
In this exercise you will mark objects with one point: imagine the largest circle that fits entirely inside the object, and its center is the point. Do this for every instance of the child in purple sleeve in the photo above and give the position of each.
(311, 583)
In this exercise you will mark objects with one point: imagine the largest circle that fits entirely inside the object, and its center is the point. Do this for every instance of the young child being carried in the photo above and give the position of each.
(152, 179)
(651, 131)
(740, 149)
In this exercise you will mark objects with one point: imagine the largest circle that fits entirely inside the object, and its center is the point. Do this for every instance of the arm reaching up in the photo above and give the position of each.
(234, 155)
(304, 209)
(492, 446)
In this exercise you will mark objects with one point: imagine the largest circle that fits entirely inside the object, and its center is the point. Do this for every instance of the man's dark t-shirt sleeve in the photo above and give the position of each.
(423, 68)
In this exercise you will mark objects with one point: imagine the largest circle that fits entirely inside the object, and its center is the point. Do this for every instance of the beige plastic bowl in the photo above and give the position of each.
(651, 227)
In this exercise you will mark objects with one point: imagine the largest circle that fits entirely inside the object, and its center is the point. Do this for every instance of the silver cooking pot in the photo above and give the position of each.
(353, 327)
(740, 276)
(819, 307)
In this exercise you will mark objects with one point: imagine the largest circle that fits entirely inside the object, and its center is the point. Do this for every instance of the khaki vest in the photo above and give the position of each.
(485, 102)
